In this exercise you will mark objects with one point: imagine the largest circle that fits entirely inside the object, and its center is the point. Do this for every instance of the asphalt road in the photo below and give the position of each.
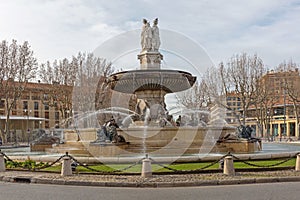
(271, 191)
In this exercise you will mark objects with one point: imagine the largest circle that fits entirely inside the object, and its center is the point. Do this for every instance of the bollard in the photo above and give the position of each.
(297, 168)
(146, 168)
(228, 166)
(2, 163)
(66, 169)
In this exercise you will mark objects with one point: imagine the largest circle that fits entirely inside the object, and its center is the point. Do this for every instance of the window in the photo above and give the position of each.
(47, 115)
(55, 105)
(57, 116)
(25, 105)
(2, 104)
(36, 105)
(36, 113)
(46, 106)
(279, 111)
(47, 124)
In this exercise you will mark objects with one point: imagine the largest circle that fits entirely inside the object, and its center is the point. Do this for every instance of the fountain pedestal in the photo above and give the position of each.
(150, 60)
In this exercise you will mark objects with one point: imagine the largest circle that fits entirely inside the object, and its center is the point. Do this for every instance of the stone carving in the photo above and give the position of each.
(244, 132)
(150, 40)
(155, 36)
(108, 133)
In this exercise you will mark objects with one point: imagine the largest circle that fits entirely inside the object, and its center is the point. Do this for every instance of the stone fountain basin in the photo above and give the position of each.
(141, 80)
(167, 141)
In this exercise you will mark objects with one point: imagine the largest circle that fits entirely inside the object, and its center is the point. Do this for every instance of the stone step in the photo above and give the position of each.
(72, 151)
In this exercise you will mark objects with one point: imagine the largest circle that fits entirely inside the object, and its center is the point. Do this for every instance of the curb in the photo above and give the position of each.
(36, 180)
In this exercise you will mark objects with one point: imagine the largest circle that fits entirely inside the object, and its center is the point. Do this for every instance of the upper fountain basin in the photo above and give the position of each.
(151, 79)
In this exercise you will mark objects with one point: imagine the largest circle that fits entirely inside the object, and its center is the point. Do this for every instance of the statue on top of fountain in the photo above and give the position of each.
(150, 40)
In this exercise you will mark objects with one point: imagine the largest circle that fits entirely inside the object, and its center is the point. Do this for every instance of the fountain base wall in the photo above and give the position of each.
(169, 141)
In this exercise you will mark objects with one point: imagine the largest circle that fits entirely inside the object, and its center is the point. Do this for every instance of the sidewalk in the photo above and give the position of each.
(155, 181)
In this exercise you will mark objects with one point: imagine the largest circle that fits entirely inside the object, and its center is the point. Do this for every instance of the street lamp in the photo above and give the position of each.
(268, 125)
(284, 115)
(27, 123)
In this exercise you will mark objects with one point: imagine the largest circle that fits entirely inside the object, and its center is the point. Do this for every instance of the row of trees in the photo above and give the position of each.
(17, 67)
(74, 83)
(242, 76)
(69, 81)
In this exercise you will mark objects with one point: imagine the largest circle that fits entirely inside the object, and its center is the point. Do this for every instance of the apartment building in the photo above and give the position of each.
(279, 111)
(37, 108)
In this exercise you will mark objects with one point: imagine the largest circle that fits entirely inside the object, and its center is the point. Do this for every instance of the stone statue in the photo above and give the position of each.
(150, 36)
(146, 36)
(143, 33)
(155, 36)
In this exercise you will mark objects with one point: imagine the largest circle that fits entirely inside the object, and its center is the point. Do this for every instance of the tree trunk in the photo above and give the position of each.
(6, 128)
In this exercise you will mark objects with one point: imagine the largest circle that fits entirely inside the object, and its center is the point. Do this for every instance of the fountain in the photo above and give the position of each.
(149, 131)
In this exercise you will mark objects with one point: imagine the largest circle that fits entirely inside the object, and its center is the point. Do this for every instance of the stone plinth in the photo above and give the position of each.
(146, 168)
(2, 163)
(297, 168)
(228, 166)
(66, 169)
(150, 60)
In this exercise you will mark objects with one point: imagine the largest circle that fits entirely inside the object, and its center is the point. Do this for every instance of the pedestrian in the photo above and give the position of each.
(178, 121)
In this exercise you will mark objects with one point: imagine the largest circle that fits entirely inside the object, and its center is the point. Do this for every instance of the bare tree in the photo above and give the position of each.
(90, 87)
(90, 71)
(265, 101)
(217, 88)
(60, 76)
(290, 85)
(18, 66)
(244, 74)
(241, 77)
(194, 98)
(74, 83)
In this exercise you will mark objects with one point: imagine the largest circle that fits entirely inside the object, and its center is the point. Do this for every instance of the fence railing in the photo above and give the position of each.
(169, 168)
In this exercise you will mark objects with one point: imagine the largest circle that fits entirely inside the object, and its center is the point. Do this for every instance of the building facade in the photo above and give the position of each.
(275, 117)
(38, 107)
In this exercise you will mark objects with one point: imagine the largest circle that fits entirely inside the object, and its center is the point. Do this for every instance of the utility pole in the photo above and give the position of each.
(284, 113)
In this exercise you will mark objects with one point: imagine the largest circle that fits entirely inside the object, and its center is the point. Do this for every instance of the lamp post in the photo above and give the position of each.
(284, 114)
(67, 118)
(268, 125)
(27, 124)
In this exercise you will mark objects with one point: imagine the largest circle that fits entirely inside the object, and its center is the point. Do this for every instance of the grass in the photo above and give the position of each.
(179, 166)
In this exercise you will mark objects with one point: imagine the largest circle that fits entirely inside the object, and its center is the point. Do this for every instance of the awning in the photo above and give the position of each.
(14, 117)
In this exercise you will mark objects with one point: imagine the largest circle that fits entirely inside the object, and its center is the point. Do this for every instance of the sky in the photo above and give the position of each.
(56, 29)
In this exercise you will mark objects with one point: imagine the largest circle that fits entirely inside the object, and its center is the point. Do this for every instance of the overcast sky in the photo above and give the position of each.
(61, 28)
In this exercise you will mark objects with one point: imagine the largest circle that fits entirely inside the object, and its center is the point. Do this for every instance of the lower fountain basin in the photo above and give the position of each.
(167, 141)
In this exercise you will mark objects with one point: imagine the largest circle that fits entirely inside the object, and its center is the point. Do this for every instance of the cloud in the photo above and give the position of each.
(60, 28)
